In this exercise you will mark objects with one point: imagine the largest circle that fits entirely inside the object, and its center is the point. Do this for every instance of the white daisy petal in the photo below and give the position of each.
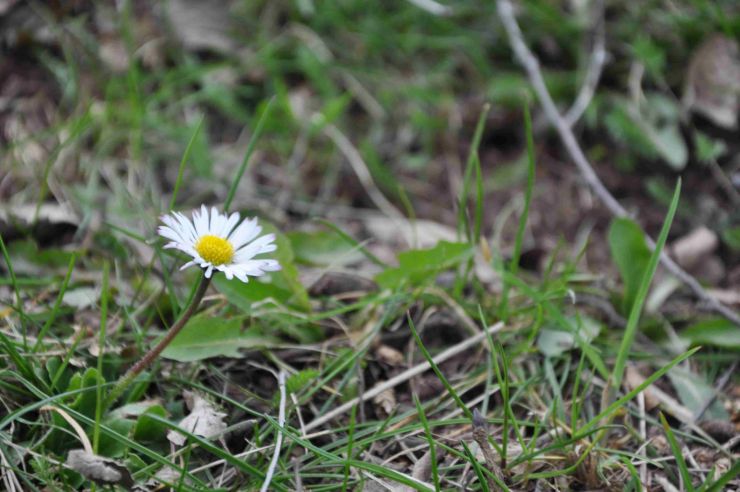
(229, 225)
(245, 232)
(200, 221)
(254, 248)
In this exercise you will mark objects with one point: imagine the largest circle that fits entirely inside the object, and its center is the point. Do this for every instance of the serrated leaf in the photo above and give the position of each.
(631, 255)
(208, 336)
(421, 265)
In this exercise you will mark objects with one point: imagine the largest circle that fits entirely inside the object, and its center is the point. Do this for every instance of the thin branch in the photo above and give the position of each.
(532, 67)
(279, 440)
(403, 377)
(593, 73)
(363, 174)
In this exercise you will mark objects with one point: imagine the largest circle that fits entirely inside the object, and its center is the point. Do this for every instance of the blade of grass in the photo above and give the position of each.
(676, 449)
(501, 372)
(436, 370)
(722, 481)
(381, 471)
(57, 304)
(353, 242)
(350, 443)
(20, 362)
(184, 160)
(648, 381)
(519, 240)
(67, 357)
(16, 290)
(476, 467)
(101, 351)
(635, 483)
(430, 440)
(634, 316)
(462, 218)
(215, 450)
(248, 153)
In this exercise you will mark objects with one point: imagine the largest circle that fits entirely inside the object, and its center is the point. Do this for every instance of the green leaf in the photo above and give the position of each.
(111, 447)
(707, 148)
(421, 265)
(323, 248)
(631, 255)
(718, 332)
(208, 336)
(147, 429)
(731, 237)
(85, 402)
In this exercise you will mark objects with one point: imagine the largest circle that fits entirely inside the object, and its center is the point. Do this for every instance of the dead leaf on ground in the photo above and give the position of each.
(713, 81)
(695, 246)
(385, 403)
(335, 283)
(166, 475)
(204, 420)
(389, 355)
(202, 24)
(99, 469)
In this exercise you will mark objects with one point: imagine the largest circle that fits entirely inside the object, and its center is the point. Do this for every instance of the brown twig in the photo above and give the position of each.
(480, 435)
(532, 67)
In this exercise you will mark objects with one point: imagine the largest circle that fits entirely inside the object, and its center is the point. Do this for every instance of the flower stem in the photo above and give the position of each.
(150, 356)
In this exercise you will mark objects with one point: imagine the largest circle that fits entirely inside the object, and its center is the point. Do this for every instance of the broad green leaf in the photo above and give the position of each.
(323, 248)
(85, 402)
(631, 255)
(421, 265)
(111, 447)
(718, 332)
(147, 429)
(208, 336)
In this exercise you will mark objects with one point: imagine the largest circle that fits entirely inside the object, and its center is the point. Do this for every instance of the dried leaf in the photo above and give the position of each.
(334, 283)
(713, 81)
(389, 355)
(204, 420)
(201, 24)
(99, 469)
(385, 402)
(696, 245)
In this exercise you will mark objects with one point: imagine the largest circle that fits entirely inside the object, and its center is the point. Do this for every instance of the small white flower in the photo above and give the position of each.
(216, 242)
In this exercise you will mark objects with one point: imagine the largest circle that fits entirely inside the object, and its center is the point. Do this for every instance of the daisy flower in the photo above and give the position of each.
(216, 242)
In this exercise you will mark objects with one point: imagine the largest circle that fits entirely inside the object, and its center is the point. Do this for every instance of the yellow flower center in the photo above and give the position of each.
(214, 249)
